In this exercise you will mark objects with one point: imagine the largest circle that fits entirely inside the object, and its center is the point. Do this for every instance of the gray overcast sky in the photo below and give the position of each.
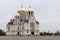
(47, 12)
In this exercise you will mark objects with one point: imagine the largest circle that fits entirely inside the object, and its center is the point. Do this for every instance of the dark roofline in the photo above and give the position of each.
(10, 23)
(37, 22)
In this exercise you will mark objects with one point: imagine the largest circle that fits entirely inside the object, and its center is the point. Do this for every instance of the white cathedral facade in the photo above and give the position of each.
(23, 23)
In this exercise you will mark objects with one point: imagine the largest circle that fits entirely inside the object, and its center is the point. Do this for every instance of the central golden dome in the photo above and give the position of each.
(22, 8)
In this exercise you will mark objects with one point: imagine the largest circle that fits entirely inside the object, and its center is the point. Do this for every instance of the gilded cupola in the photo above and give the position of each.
(22, 9)
(17, 14)
(30, 9)
(12, 18)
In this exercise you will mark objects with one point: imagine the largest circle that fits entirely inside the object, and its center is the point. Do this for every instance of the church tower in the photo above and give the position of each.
(23, 23)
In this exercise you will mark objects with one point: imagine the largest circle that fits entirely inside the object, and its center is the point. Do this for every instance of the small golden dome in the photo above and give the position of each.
(22, 8)
(12, 18)
(30, 9)
(17, 14)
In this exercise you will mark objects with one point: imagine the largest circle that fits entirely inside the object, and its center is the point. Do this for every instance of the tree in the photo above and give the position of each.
(2, 33)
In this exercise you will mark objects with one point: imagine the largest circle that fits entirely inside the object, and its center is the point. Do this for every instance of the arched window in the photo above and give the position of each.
(29, 13)
(8, 28)
(18, 17)
(18, 28)
(27, 31)
(32, 24)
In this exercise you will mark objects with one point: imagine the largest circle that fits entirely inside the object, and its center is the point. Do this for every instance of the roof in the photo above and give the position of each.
(10, 23)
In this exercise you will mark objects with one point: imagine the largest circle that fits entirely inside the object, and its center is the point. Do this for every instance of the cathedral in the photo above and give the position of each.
(23, 23)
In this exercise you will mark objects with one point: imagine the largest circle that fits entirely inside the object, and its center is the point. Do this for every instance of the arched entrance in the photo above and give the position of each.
(18, 33)
(32, 33)
(32, 25)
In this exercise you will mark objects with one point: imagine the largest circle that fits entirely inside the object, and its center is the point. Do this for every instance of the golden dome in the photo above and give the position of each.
(17, 14)
(30, 9)
(12, 18)
(22, 8)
